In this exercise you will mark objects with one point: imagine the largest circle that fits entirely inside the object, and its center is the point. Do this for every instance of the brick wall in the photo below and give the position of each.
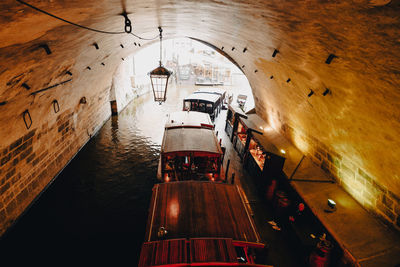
(356, 181)
(28, 164)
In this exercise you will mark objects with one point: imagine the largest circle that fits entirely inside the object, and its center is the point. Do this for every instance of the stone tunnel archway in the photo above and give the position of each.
(286, 49)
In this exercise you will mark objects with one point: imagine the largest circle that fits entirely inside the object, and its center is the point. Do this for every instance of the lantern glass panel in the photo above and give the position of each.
(159, 83)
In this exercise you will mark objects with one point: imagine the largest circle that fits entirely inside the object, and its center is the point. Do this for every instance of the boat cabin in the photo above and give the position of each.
(232, 120)
(194, 223)
(188, 119)
(203, 102)
(213, 90)
(190, 153)
(246, 124)
(262, 159)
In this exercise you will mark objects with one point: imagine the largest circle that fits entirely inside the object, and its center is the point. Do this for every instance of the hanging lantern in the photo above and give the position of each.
(159, 78)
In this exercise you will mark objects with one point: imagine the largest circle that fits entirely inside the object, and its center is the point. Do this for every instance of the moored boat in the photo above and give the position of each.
(190, 149)
(195, 223)
(203, 102)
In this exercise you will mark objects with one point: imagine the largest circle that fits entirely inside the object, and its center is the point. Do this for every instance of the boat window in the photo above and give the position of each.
(195, 106)
(187, 105)
(229, 116)
(202, 107)
(206, 164)
(209, 108)
(257, 153)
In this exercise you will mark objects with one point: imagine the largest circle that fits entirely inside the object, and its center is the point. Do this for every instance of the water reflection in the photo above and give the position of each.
(95, 212)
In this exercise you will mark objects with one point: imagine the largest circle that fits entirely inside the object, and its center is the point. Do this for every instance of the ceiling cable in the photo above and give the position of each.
(72, 23)
(128, 27)
(146, 39)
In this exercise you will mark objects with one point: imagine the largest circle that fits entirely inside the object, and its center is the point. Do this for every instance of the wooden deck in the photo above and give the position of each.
(193, 209)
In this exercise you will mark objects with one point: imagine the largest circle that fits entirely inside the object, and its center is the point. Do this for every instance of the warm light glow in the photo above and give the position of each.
(283, 151)
(167, 179)
(173, 208)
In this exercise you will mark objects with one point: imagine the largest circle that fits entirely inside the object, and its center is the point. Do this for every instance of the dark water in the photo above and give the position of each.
(95, 212)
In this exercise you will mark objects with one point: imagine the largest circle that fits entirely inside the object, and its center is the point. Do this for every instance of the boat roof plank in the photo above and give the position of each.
(189, 119)
(192, 209)
(211, 90)
(190, 139)
(163, 253)
(254, 122)
(203, 97)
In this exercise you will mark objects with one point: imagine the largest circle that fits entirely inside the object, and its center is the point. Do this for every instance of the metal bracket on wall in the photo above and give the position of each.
(46, 48)
(56, 106)
(26, 115)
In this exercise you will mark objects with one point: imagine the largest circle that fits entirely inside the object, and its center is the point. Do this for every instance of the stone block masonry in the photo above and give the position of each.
(373, 196)
(28, 164)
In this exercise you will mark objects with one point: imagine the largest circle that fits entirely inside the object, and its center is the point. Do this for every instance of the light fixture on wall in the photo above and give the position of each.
(331, 206)
(159, 78)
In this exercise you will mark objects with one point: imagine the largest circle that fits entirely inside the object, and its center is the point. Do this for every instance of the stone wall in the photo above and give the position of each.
(121, 88)
(373, 196)
(28, 164)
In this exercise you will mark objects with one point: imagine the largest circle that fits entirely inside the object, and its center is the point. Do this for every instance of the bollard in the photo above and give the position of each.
(227, 167)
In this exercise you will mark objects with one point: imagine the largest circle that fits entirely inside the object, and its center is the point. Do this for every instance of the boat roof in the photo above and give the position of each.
(204, 97)
(192, 252)
(189, 119)
(178, 251)
(195, 209)
(254, 122)
(236, 109)
(266, 143)
(190, 139)
(211, 90)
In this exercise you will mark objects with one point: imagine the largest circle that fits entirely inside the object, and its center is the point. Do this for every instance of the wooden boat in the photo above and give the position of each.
(190, 149)
(195, 223)
(246, 124)
(232, 120)
(213, 90)
(190, 119)
(261, 158)
(203, 102)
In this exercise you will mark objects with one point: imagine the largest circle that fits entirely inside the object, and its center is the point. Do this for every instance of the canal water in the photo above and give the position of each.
(95, 211)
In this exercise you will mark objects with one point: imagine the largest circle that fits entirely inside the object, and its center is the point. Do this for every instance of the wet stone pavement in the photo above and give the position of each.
(95, 211)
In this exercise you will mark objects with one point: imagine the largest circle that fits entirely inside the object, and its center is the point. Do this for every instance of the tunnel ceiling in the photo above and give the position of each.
(358, 117)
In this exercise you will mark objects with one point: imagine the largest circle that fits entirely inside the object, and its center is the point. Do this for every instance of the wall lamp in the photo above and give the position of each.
(331, 206)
